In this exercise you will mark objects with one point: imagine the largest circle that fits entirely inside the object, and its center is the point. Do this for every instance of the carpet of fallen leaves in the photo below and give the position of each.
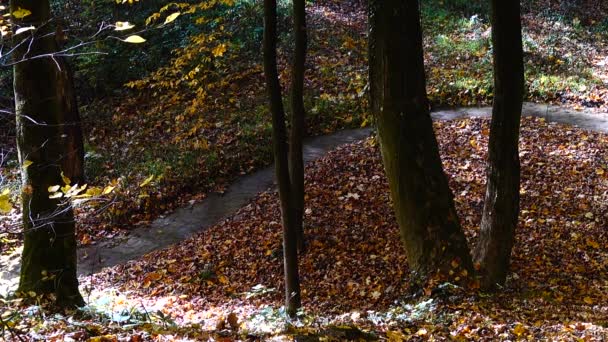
(566, 58)
(558, 288)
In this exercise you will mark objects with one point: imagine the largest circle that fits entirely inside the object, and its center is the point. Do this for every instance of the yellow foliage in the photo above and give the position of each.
(21, 13)
(5, 204)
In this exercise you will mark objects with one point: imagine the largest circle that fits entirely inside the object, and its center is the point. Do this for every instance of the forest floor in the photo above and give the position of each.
(226, 282)
(355, 273)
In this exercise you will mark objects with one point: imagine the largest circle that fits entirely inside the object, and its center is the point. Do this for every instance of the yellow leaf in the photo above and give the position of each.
(65, 179)
(588, 300)
(21, 13)
(93, 191)
(135, 39)
(171, 17)
(219, 50)
(473, 143)
(599, 171)
(223, 279)
(27, 164)
(123, 26)
(146, 181)
(5, 205)
(75, 190)
(519, 329)
(108, 189)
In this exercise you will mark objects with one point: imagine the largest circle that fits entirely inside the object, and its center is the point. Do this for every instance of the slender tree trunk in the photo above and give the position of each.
(49, 252)
(423, 202)
(296, 159)
(501, 207)
(279, 138)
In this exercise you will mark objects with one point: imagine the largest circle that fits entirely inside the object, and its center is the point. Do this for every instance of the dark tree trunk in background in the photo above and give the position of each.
(423, 202)
(501, 207)
(280, 147)
(49, 252)
(296, 160)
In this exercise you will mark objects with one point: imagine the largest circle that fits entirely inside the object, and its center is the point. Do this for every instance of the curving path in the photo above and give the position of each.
(186, 221)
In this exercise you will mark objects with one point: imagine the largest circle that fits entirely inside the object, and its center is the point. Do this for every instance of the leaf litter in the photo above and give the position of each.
(355, 269)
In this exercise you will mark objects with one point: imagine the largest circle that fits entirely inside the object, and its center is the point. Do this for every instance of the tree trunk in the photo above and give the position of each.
(72, 162)
(436, 247)
(280, 148)
(49, 252)
(296, 159)
(501, 207)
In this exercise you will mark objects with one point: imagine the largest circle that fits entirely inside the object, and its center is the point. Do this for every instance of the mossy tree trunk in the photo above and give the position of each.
(501, 206)
(49, 252)
(296, 159)
(435, 244)
(281, 159)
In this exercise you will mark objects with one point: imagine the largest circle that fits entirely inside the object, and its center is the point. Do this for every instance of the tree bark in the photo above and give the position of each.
(72, 162)
(501, 207)
(49, 252)
(280, 149)
(296, 159)
(423, 202)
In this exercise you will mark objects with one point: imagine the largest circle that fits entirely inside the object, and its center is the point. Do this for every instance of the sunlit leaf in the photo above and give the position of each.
(27, 163)
(219, 50)
(146, 181)
(134, 39)
(65, 179)
(108, 189)
(172, 17)
(123, 26)
(55, 195)
(53, 188)
(24, 29)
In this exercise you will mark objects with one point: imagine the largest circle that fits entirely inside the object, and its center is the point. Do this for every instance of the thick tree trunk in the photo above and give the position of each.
(501, 207)
(423, 202)
(49, 251)
(279, 138)
(296, 159)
